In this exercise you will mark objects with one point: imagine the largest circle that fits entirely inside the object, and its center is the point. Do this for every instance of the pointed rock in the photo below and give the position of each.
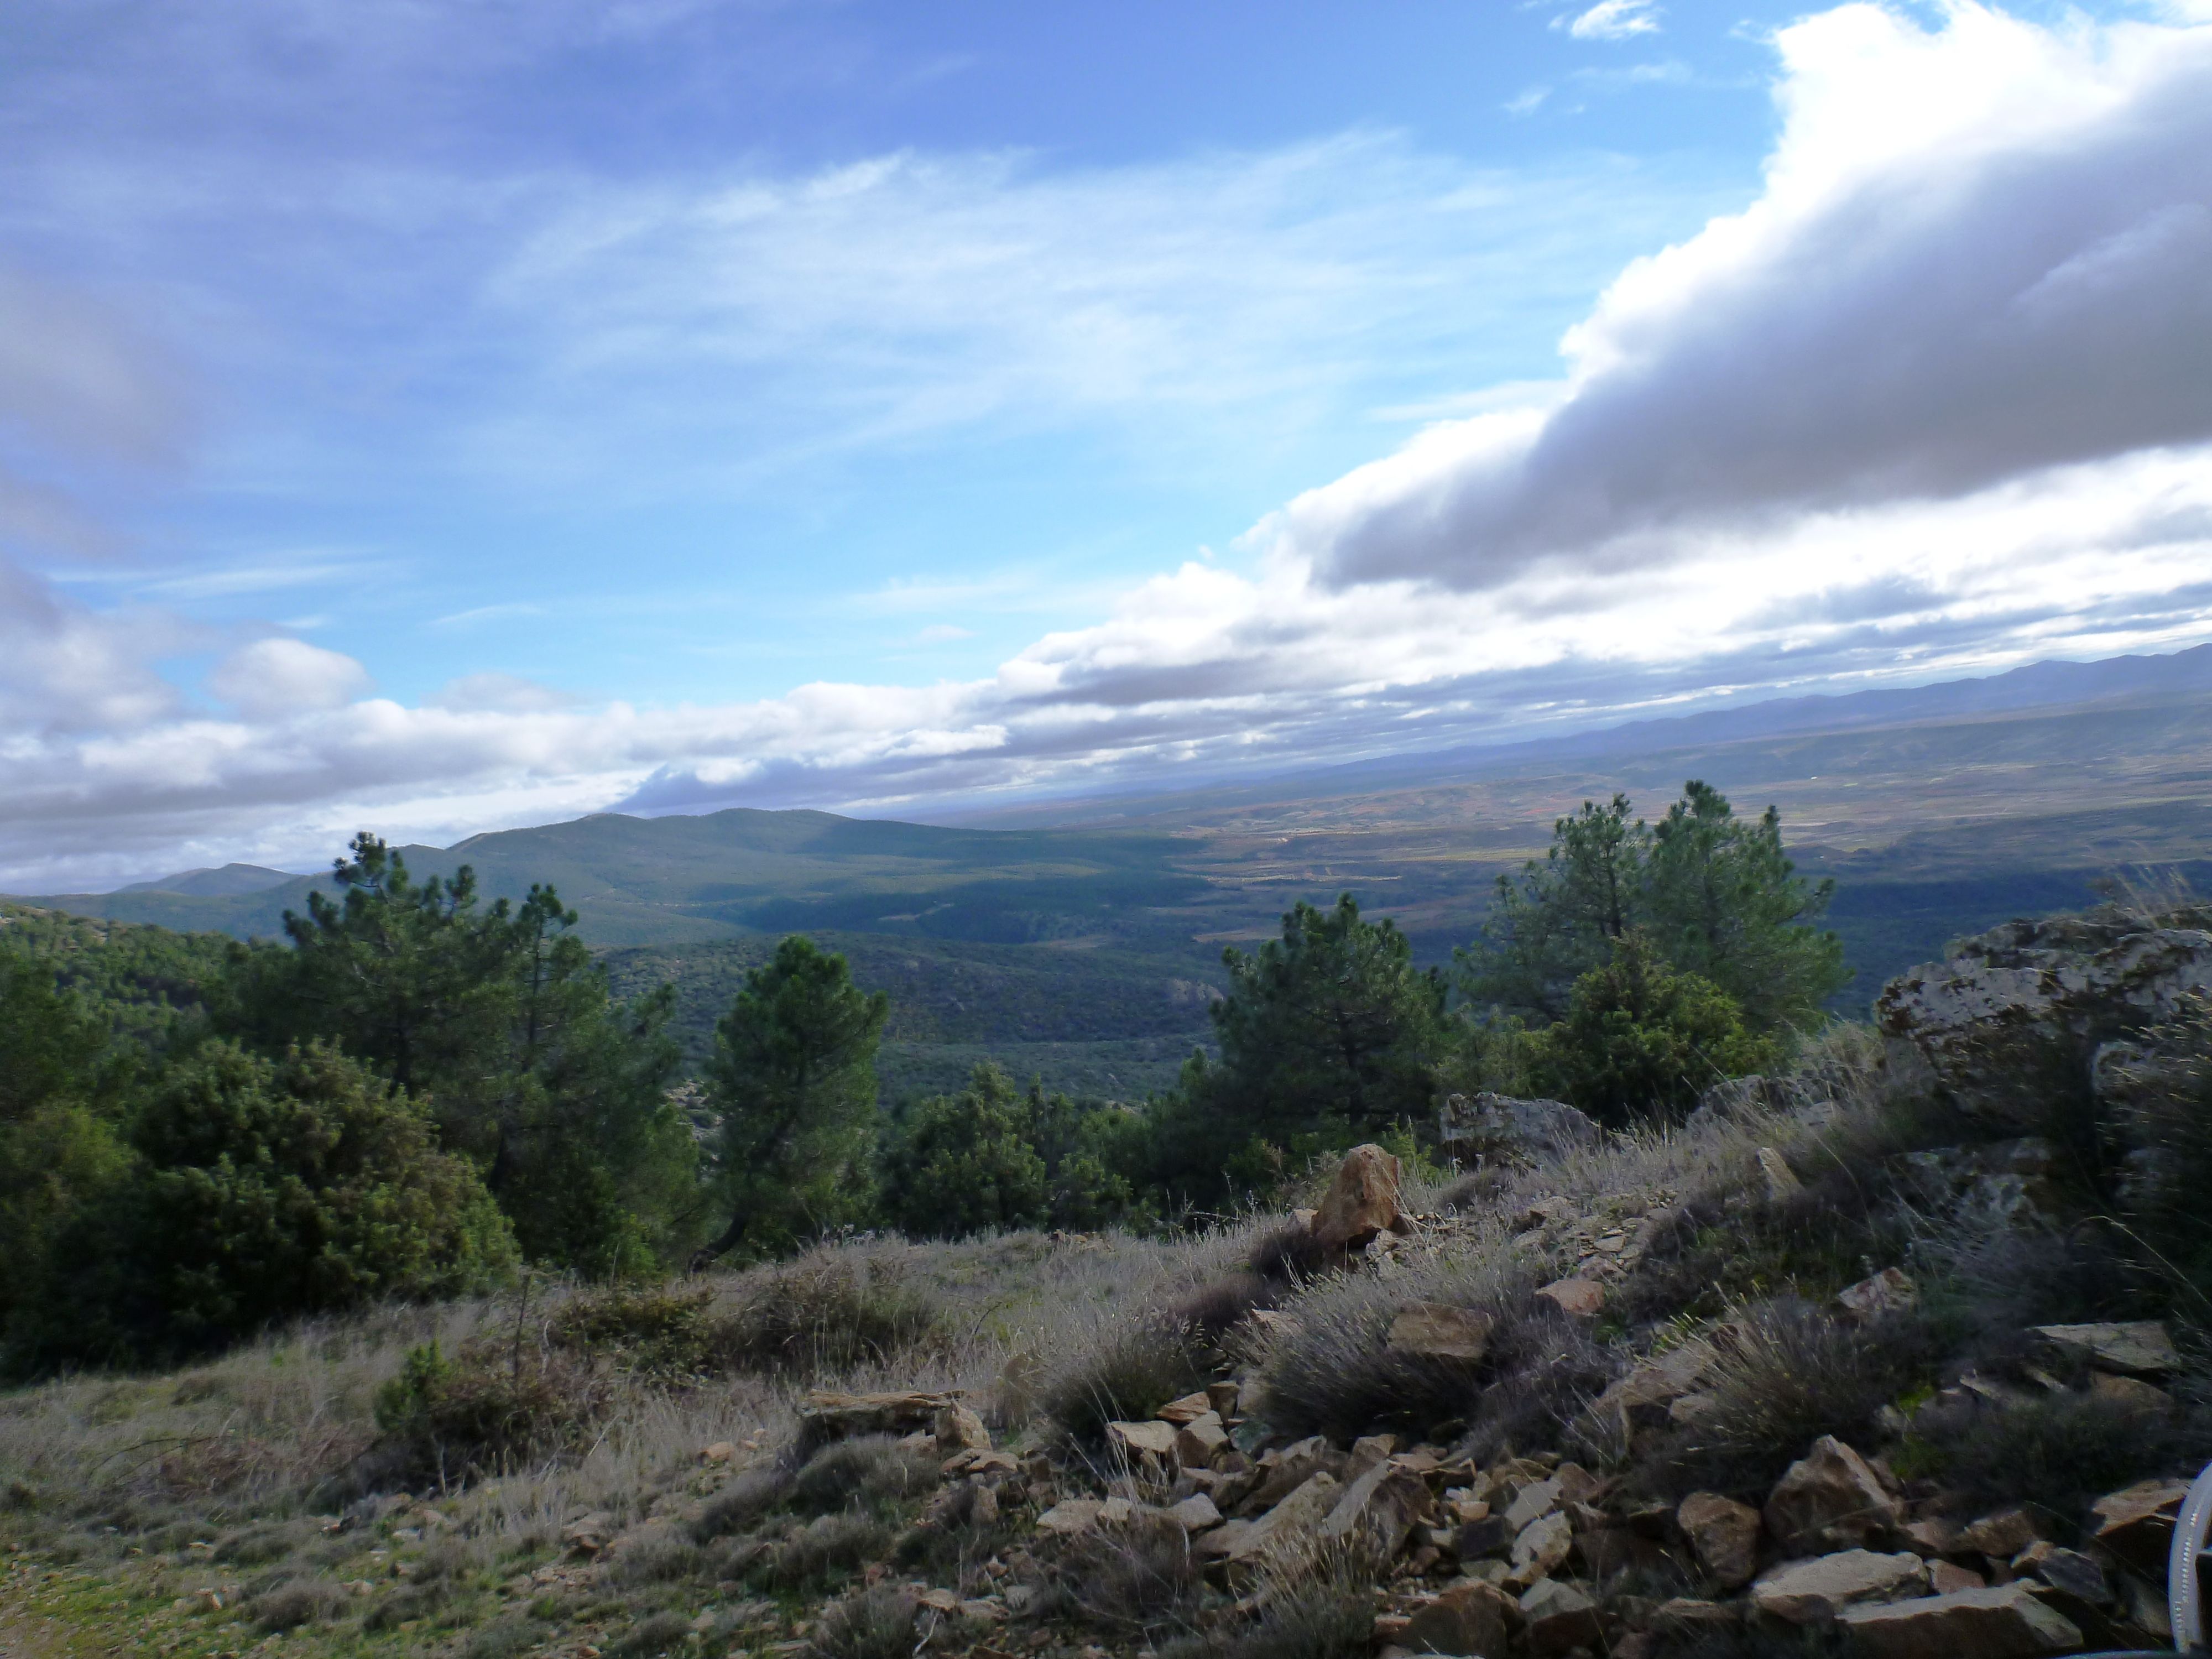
(1830, 1499)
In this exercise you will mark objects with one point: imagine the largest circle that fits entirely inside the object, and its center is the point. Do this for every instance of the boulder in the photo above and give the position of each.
(959, 1429)
(2071, 1573)
(1200, 1441)
(1888, 1291)
(1435, 1330)
(2131, 1395)
(1289, 1526)
(1830, 1498)
(1556, 1617)
(1781, 1180)
(2137, 1523)
(1987, 1024)
(1723, 1535)
(1361, 1202)
(1814, 1591)
(2004, 1621)
(1578, 1299)
(1470, 1617)
(2141, 1348)
(1382, 1507)
(1501, 1128)
(2002, 1535)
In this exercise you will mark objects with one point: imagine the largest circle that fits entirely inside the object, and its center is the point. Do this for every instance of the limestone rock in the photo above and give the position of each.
(1948, 1577)
(959, 1429)
(1195, 1514)
(2131, 1394)
(1830, 1498)
(1361, 1202)
(1723, 1535)
(827, 1414)
(1814, 1590)
(1293, 1466)
(1988, 1022)
(1152, 1438)
(1578, 1299)
(1781, 1180)
(1541, 1548)
(1888, 1291)
(1200, 1441)
(1470, 1617)
(1219, 1543)
(1534, 1500)
(2138, 1349)
(2137, 1522)
(1383, 1506)
(2004, 1621)
(1556, 1617)
(1438, 1331)
(1190, 1407)
(1291, 1522)
(2003, 1534)
(1070, 1515)
(1504, 1129)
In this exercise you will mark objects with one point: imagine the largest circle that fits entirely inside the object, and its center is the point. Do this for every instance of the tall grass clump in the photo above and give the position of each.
(1126, 1368)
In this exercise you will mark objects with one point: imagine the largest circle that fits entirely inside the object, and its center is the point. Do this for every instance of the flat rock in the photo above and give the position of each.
(1723, 1535)
(1137, 1440)
(1814, 1590)
(1070, 1515)
(2138, 1348)
(2004, 1621)
(1361, 1202)
(1888, 1292)
(1830, 1498)
(1195, 1514)
(831, 1415)
(1578, 1299)
(1436, 1330)
(1191, 1406)
(2137, 1522)
(1219, 1543)
(1946, 1577)
(1534, 1500)
(2131, 1393)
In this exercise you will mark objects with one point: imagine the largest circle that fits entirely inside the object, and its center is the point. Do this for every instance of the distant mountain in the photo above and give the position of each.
(232, 881)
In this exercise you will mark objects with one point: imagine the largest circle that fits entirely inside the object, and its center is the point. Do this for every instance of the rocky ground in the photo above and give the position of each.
(1903, 1354)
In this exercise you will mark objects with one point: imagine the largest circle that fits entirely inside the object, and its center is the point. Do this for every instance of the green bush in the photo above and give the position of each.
(963, 1164)
(490, 1408)
(1642, 1040)
(262, 1191)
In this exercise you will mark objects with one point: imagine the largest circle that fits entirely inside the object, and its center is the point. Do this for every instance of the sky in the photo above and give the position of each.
(435, 416)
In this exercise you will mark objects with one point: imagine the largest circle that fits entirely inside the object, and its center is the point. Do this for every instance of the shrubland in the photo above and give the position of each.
(402, 1196)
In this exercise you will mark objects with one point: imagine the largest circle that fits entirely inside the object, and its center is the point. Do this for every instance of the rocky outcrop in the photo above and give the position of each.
(1501, 1129)
(1986, 1024)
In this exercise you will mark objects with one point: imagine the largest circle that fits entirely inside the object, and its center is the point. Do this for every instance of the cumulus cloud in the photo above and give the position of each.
(1982, 249)
(277, 678)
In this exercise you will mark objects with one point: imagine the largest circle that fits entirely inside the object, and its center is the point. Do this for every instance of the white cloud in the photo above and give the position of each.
(278, 679)
(1982, 251)
(1938, 402)
(1615, 20)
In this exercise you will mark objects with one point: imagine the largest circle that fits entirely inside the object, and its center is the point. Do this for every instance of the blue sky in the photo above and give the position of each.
(438, 415)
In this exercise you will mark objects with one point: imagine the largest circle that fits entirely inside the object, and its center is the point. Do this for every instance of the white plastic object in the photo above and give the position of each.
(2185, 1566)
